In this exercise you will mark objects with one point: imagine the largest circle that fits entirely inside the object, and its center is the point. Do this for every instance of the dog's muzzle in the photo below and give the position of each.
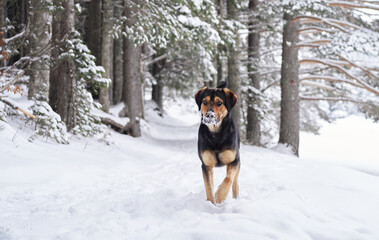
(209, 118)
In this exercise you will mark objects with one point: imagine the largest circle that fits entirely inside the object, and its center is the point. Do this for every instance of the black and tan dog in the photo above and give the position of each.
(218, 140)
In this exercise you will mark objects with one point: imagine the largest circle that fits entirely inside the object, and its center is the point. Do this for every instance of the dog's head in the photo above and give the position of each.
(215, 104)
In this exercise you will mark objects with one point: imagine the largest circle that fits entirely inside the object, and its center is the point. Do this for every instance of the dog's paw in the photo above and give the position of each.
(219, 197)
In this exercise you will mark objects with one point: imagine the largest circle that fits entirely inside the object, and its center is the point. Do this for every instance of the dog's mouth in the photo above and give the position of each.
(210, 119)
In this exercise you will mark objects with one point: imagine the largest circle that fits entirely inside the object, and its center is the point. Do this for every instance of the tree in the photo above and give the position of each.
(106, 54)
(253, 128)
(117, 57)
(289, 84)
(234, 80)
(132, 78)
(40, 45)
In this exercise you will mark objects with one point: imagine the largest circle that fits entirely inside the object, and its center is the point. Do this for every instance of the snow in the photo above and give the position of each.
(152, 187)
(351, 141)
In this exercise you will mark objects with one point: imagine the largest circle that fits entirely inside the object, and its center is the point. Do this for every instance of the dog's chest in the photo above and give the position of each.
(218, 158)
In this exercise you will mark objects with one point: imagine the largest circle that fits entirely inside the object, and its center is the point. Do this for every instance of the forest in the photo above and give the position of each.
(292, 63)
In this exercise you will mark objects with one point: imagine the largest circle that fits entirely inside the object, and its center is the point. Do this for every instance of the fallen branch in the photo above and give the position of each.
(12, 105)
(115, 125)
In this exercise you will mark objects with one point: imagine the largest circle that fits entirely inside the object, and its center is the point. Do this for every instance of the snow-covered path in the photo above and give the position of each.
(152, 188)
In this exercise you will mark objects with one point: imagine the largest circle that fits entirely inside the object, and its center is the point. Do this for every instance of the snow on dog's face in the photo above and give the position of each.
(214, 105)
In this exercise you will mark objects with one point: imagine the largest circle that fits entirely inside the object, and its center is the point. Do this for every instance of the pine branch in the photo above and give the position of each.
(357, 66)
(314, 30)
(352, 5)
(315, 43)
(322, 86)
(332, 99)
(341, 25)
(331, 79)
(362, 83)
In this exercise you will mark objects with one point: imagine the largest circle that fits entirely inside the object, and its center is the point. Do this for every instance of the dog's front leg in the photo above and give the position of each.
(208, 182)
(223, 189)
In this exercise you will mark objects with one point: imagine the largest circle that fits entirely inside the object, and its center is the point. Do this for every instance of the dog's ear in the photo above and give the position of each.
(231, 98)
(198, 96)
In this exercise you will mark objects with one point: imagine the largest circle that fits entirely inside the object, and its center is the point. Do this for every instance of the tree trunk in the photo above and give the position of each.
(253, 128)
(117, 60)
(40, 21)
(61, 76)
(2, 16)
(289, 84)
(234, 80)
(106, 46)
(157, 93)
(94, 29)
(132, 77)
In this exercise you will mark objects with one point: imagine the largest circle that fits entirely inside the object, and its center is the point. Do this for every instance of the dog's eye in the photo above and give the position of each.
(219, 103)
(205, 103)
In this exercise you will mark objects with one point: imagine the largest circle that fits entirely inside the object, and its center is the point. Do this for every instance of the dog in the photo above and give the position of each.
(218, 140)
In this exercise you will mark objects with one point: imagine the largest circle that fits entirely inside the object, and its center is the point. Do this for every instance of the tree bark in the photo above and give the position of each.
(157, 93)
(234, 80)
(289, 84)
(132, 77)
(94, 29)
(106, 46)
(61, 76)
(2, 17)
(117, 60)
(253, 128)
(40, 21)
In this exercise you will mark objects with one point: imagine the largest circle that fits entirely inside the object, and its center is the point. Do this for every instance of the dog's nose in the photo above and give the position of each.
(210, 114)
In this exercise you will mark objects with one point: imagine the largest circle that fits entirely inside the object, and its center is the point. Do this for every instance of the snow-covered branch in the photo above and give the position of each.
(336, 66)
(314, 30)
(333, 99)
(341, 25)
(367, 71)
(315, 43)
(331, 79)
(351, 5)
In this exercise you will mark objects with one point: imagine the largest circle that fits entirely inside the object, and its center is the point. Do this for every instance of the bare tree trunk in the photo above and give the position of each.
(132, 78)
(253, 128)
(289, 84)
(40, 21)
(157, 93)
(61, 76)
(2, 16)
(219, 57)
(234, 80)
(117, 60)
(106, 45)
(94, 29)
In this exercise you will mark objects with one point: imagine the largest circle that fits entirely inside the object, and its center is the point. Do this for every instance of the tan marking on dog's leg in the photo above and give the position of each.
(209, 158)
(208, 183)
(235, 187)
(223, 189)
(227, 156)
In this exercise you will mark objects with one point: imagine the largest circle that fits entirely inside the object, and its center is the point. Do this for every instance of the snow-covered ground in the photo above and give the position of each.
(152, 187)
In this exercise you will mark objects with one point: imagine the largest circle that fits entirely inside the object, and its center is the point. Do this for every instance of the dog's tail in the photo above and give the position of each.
(222, 85)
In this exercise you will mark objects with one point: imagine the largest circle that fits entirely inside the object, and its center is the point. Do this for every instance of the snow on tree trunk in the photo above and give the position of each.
(289, 84)
(106, 45)
(253, 128)
(234, 80)
(40, 38)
